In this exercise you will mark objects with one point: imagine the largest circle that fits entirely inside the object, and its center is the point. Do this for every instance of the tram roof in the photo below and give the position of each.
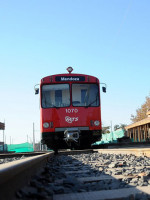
(69, 77)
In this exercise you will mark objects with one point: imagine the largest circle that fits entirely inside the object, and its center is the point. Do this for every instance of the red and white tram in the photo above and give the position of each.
(70, 110)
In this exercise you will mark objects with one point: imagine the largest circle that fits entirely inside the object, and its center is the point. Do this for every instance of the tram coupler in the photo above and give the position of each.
(71, 135)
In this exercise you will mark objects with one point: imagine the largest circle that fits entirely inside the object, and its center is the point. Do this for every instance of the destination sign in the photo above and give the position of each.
(69, 78)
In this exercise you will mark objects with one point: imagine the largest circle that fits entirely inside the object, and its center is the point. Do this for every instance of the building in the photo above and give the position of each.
(139, 131)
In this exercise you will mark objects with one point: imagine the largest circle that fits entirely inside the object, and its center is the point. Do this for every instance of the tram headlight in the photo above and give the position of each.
(97, 123)
(69, 69)
(45, 124)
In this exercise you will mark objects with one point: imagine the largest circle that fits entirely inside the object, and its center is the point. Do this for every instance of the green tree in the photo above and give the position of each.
(105, 129)
(141, 112)
(117, 126)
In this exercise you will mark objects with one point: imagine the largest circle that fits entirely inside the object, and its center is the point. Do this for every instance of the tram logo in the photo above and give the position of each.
(71, 119)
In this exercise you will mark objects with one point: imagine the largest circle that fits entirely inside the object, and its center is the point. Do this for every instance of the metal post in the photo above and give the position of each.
(111, 125)
(40, 142)
(33, 138)
(3, 141)
(4, 138)
(111, 130)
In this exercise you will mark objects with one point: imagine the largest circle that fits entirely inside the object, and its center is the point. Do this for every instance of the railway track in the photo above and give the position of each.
(14, 175)
(17, 155)
(89, 174)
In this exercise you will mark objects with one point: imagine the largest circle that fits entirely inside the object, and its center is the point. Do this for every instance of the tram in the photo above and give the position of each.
(70, 110)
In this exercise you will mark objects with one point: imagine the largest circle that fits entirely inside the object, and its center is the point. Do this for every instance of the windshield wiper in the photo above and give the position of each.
(53, 106)
(91, 103)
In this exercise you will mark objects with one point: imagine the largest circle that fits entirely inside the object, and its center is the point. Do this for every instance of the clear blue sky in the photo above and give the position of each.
(109, 39)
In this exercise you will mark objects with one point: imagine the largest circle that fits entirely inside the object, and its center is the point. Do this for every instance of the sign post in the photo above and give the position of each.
(2, 127)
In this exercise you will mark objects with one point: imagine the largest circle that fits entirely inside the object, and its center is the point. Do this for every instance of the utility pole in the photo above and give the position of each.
(111, 130)
(111, 125)
(3, 140)
(4, 137)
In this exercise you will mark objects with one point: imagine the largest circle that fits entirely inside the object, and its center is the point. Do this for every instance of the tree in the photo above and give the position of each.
(116, 127)
(106, 129)
(119, 126)
(141, 112)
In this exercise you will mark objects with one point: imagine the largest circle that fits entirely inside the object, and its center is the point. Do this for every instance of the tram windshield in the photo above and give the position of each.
(57, 95)
(85, 95)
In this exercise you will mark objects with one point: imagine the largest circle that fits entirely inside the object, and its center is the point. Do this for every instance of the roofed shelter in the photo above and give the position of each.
(139, 131)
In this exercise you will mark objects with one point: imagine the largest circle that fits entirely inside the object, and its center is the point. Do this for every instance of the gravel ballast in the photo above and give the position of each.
(7, 160)
(66, 174)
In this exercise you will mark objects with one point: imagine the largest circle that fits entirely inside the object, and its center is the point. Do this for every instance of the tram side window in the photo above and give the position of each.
(56, 95)
(85, 95)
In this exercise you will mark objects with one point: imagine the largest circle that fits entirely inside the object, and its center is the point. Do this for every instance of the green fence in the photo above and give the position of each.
(111, 137)
(24, 147)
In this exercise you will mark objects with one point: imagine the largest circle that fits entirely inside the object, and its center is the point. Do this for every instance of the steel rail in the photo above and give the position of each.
(16, 174)
(26, 154)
